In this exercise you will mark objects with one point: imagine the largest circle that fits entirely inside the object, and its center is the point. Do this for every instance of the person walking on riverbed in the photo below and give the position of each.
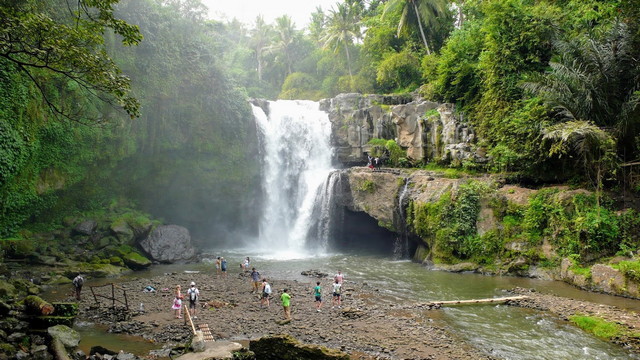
(223, 267)
(255, 280)
(78, 281)
(194, 294)
(266, 292)
(337, 290)
(317, 292)
(339, 277)
(177, 303)
(286, 304)
(218, 264)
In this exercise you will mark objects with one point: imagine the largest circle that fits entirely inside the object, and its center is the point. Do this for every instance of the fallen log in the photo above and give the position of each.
(36, 305)
(473, 301)
(59, 351)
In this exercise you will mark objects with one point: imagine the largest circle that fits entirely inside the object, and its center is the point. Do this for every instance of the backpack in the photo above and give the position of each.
(192, 294)
(78, 281)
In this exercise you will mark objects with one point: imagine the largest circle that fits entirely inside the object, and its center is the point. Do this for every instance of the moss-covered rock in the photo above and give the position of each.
(7, 289)
(136, 261)
(69, 337)
(286, 347)
(121, 229)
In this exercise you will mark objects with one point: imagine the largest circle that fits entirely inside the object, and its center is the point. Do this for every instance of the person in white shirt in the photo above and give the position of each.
(266, 291)
(193, 294)
(337, 291)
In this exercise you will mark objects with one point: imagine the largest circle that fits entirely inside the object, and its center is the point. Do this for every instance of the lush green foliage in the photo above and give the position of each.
(40, 40)
(597, 326)
(448, 226)
(189, 140)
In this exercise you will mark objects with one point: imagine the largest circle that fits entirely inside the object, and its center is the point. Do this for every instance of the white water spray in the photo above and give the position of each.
(297, 161)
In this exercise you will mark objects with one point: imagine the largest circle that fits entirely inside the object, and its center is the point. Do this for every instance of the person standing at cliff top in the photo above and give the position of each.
(339, 277)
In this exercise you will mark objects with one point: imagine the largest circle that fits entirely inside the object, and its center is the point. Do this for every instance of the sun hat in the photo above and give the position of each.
(193, 283)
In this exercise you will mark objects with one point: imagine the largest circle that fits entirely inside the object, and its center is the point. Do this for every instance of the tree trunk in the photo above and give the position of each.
(58, 349)
(424, 38)
(35, 305)
(346, 49)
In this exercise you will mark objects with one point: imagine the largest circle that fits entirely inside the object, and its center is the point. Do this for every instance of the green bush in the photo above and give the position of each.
(597, 326)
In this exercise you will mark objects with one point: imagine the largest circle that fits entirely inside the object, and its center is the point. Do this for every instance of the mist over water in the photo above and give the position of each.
(297, 154)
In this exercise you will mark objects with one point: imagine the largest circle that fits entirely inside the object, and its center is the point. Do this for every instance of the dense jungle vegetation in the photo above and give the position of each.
(108, 103)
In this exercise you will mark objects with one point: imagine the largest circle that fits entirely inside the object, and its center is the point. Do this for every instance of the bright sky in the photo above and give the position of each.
(247, 10)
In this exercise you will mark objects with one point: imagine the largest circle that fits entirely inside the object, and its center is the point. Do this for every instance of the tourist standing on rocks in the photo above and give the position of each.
(78, 281)
(339, 277)
(255, 280)
(286, 304)
(223, 266)
(266, 291)
(194, 295)
(337, 289)
(218, 263)
(317, 292)
(245, 264)
(177, 303)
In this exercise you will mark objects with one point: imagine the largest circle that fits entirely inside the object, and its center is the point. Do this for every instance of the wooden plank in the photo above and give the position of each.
(475, 301)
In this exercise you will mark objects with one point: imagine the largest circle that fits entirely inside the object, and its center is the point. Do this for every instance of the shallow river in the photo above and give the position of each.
(502, 331)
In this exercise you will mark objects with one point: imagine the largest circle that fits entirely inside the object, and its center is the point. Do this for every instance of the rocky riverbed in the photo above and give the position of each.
(362, 327)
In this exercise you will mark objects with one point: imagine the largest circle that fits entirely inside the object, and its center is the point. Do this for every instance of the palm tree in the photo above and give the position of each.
(284, 43)
(318, 22)
(342, 29)
(426, 11)
(597, 80)
(261, 35)
(592, 145)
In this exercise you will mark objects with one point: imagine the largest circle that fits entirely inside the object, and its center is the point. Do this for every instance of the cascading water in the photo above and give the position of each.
(401, 245)
(297, 161)
(328, 216)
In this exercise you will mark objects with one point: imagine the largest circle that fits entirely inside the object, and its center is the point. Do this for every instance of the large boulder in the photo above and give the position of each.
(168, 243)
(69, 337)
(286, 347)
(87, 227)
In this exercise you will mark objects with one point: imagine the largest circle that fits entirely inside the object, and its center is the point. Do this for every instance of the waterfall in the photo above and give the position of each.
(297, 161)
(328, 216)
(401, 244)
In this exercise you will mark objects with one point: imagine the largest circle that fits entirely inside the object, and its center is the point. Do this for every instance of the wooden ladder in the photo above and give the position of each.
(206, 332)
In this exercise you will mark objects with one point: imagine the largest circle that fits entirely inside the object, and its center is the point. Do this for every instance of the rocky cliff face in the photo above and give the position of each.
(426, 130)
(505, 247)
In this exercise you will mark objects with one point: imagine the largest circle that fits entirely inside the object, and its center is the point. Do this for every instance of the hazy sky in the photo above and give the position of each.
(247, 10)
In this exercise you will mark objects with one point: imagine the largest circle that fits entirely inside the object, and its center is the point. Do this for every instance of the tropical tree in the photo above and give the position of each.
(37, 41)
(594, 147)
(423, 11)
(260, 37)
(595, 80)
(284, 42)
(317, 25)
(342, 29)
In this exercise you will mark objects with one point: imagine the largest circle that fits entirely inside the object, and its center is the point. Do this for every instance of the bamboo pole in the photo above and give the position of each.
(475, 301)
(188, 316)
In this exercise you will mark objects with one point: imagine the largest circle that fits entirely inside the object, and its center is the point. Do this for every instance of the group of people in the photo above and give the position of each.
(374, 162)
(193, 294)
(258, 285)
